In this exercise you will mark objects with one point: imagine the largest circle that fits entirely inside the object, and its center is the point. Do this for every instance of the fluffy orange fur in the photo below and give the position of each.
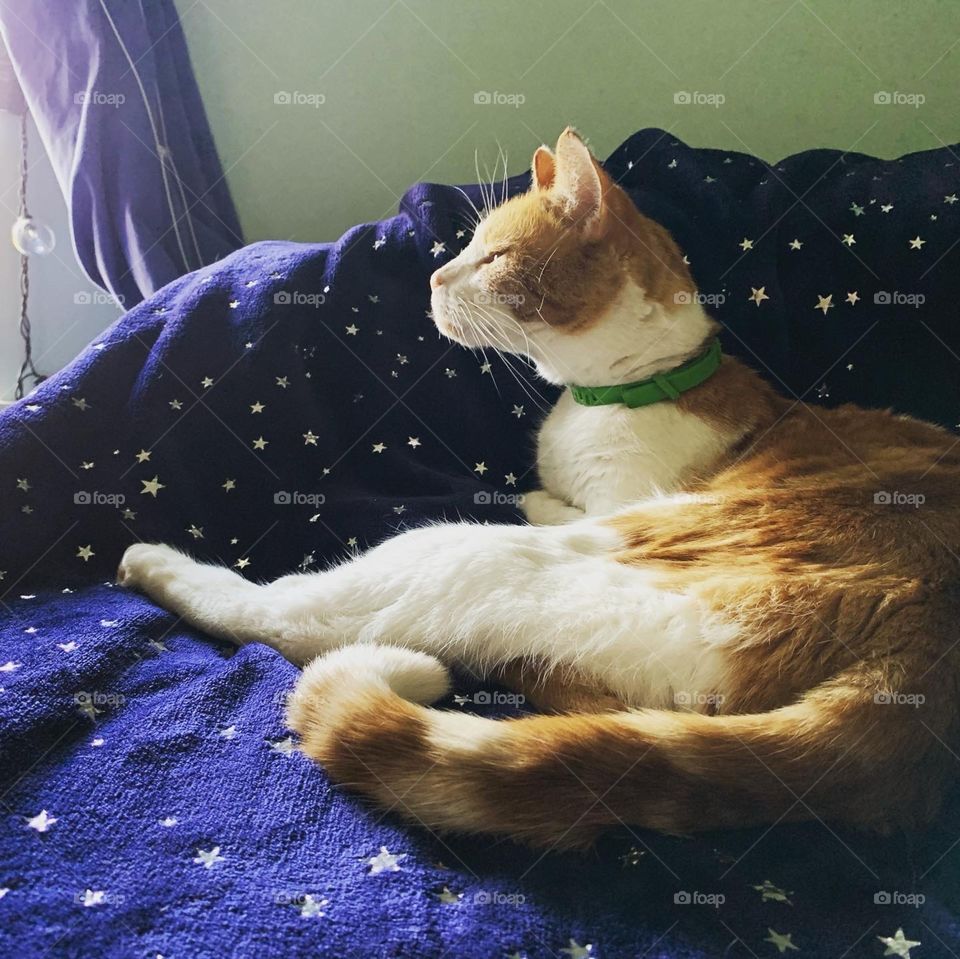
(840, 698)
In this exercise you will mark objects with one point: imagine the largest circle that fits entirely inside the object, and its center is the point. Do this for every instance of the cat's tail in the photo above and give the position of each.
(839, 753)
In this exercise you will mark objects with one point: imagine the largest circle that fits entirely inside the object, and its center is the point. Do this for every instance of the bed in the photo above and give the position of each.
(292, 405)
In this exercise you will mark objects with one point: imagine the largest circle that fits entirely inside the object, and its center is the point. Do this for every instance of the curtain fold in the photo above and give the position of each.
(112, 92)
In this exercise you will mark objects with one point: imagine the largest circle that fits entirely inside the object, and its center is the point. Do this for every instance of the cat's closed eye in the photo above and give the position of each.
(490, 257)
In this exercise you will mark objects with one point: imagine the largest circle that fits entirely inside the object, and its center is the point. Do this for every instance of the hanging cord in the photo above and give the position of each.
(27, 370)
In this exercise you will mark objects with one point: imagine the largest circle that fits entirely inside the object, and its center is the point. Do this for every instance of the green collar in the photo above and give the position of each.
(660, 386)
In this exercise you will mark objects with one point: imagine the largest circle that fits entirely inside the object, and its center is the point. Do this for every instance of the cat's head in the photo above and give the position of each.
(573, 276)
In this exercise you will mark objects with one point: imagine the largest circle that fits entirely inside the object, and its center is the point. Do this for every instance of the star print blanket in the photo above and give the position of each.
(292, 405)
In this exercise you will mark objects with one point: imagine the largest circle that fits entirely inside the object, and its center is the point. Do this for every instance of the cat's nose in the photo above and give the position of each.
(436, 279)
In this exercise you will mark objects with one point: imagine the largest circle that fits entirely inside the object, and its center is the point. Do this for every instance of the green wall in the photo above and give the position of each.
(398, 80)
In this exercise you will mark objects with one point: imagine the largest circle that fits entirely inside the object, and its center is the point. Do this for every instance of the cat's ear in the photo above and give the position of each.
(543, 168)
(578, 184)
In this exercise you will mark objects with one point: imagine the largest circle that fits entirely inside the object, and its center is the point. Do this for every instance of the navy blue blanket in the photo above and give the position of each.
(292, 405)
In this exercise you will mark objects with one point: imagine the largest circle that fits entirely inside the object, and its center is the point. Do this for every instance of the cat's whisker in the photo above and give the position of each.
(506, 354)
(545, 262)
(528, 347)
(473, 207)
(503, 187)
(480, 185)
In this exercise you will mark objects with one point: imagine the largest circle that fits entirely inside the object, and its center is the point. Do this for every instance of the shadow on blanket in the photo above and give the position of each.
(293, 405)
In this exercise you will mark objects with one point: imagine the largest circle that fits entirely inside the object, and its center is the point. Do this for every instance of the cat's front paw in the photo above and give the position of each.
(146, 564)
(544, 509)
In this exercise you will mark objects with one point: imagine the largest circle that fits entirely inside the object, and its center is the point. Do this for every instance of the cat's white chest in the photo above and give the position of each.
(603, 458)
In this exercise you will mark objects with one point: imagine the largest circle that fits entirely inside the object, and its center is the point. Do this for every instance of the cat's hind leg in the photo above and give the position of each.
(471, 595)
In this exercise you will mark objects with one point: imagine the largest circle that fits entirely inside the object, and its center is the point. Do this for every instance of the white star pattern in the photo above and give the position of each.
(782, 941)
(208, 858)
(385, 861)
(311, 908)
(93, 897)
(42, 821)
(286, 747)
(898, 944)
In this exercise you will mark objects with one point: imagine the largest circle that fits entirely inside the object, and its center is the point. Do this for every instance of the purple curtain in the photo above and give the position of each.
(112, 92)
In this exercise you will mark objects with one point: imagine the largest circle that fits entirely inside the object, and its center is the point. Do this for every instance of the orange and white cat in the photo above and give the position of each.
(744, 609)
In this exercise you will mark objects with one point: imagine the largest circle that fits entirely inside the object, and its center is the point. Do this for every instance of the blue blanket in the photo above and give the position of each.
(292, 405)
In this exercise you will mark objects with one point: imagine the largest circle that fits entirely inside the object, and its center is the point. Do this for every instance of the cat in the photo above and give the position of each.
(735, 609)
